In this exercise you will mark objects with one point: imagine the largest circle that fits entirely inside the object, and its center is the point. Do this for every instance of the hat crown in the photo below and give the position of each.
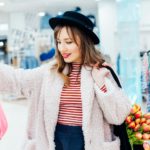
(84, 20)
(76, 19)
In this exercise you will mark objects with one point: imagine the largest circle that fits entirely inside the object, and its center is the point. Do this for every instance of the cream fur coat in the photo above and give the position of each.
(42, 86)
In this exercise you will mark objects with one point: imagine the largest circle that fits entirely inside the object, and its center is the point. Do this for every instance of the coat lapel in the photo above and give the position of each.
(53, 88)
(87, 95)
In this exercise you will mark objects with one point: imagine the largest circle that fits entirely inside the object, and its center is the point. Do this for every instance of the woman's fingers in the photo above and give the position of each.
(95, 65)
(99, 75)
(102, 72)
(146, 146)
(106, 64)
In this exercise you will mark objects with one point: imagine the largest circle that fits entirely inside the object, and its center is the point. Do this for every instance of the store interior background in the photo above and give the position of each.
(26, 41)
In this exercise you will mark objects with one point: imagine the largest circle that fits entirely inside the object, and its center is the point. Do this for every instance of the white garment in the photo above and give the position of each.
(43, 87)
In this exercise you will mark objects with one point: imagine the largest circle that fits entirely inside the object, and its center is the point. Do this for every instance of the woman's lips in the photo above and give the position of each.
(66, 55)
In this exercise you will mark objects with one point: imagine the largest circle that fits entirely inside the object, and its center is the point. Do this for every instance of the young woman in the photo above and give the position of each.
(73, 100)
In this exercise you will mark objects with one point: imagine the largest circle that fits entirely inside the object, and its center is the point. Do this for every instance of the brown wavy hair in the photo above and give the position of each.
(89, 55)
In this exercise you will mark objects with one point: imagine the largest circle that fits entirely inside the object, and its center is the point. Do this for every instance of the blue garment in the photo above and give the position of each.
(69, 137)
(29, 62)
(46, 56)
(118, 64)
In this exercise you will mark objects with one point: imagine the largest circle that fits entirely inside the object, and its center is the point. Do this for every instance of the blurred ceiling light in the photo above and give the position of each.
(138, 5)
(3, 27)
(60, 13)
(118, 0)
(1, 44)
(2, 3)
(41, 14)
(97, 0)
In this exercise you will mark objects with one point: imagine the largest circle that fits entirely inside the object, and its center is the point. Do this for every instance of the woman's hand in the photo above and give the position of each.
(99, 76)
(146, 146)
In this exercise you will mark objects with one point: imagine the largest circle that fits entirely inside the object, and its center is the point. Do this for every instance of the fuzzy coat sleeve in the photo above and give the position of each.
(114, 103)
(19, 81)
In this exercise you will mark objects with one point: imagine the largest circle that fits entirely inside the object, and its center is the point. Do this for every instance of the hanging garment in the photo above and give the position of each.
(144, 76)
(3, 123)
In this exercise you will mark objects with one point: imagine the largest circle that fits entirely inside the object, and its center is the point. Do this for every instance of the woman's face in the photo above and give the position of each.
(67, 47)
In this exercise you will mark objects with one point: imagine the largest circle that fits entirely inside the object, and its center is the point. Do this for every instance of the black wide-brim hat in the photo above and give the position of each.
(75, 19)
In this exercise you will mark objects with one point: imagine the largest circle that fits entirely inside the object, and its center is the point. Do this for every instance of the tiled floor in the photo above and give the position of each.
(16, 113)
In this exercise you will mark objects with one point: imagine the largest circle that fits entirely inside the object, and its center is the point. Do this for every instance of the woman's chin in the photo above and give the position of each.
(71, 61)
(68, 61)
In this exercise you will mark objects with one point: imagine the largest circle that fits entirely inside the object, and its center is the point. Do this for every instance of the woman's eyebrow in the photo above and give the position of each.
(64, 39)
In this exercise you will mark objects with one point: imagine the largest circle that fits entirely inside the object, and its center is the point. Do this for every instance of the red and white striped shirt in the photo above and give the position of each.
(70, 111)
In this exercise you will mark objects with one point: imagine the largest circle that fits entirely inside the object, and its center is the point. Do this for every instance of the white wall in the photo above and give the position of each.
(107, 27)
(4, 19)
(17, 20)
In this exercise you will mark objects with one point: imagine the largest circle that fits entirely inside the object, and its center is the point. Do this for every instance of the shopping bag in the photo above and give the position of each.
(3, 123)
(120, 130)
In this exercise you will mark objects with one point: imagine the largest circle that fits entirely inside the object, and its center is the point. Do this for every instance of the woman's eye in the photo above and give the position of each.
(58, 42)
(69, 42)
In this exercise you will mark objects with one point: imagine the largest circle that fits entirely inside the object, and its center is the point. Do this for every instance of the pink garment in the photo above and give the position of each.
(3, 123)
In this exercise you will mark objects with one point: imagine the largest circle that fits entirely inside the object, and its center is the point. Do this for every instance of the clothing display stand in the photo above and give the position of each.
(145, 78)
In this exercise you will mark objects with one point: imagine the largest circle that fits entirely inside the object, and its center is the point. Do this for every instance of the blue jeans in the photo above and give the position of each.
(69, 137)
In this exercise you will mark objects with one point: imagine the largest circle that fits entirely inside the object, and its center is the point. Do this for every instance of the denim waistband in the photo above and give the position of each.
(69, 129)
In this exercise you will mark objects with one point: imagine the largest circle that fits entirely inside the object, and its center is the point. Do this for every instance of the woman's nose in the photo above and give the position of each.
(62, 47)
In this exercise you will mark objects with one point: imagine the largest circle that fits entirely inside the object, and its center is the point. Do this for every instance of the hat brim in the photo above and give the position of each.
(53, 22)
